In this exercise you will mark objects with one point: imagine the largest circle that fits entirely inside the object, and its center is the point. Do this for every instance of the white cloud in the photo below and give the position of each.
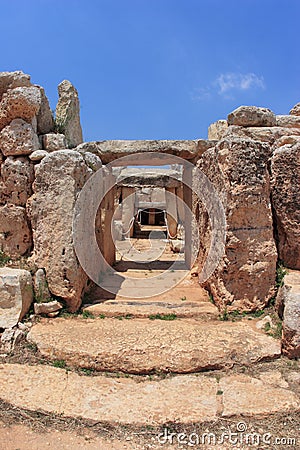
(228, 82)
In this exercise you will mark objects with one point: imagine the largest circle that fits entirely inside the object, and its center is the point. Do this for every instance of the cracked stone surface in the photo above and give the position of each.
(184, 399)
(144, 345)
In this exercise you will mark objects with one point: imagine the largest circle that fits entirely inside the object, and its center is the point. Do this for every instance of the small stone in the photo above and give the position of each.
(53, 142)
(260, 325)
(41, 291)
(217, 130)
(177, 246)
(38, 155)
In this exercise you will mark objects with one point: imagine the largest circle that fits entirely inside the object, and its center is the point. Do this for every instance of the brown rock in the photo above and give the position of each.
(19, 103)
(245, 278)
(45, 121)
(68, 115)
(16, 180)
(18, 138)
(217, 130)
(11, 80)
(252, 116)
(285, 182)
(15, 234)
(52, 142)
(144, 346)
(38, 155)
(16, 295)
(289, 299)
(295, 111)
(59, 178)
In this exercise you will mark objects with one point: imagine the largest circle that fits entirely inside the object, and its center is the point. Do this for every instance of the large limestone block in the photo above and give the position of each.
(19, 103)
(285, 182)
(16, 180)
(10, 80)
(16, 295)
(245, 278)
(217, 129)
(18, 138)
(289, 300)
(59, 178)
(252, 116)
(67, 113)
(15, 234)
(45, 121)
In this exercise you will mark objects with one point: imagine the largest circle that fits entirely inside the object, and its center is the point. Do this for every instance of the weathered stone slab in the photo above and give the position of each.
(45, 121)
(184, 399)
(252, 116)
(109, 151)
(46, 308)
(264, 134)
(59, 178)
(16, 180)
(68, 115)
(288, 304)
(250, 396)
(245, 278)
(18, 138)
(285, 182)
(15, 234)
(170, 346)
(16, 295)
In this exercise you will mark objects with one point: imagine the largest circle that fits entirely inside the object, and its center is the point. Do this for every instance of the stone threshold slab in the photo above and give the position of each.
(142, 346)
(181, 399)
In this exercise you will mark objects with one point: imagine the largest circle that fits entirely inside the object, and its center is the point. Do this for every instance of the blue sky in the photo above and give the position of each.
(157, 69)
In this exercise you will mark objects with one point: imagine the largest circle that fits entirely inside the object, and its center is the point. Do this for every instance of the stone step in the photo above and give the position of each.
(143, 346)
(145, 309)
(185, 399)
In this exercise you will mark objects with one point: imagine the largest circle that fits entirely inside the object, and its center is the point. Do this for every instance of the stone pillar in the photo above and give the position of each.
(180, 207)
(128, 209)
(171, 212)
(187, 198)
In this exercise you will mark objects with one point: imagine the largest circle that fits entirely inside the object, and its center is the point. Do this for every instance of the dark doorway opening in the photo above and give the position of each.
(152, 216)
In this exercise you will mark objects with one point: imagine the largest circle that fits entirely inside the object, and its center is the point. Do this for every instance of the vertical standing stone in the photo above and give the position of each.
(67, 114)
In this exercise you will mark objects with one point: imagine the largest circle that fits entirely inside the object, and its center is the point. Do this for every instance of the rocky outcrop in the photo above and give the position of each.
(19, 103)
(16, 180)
(285, 182)
(16, 295)
(245, 278)
(18, 138)
(15, 234)
(59, 178)
(67, 114)
(252, 116)
(288, 303)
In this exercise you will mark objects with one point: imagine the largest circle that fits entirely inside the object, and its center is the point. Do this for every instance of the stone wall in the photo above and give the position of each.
(252, 159)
